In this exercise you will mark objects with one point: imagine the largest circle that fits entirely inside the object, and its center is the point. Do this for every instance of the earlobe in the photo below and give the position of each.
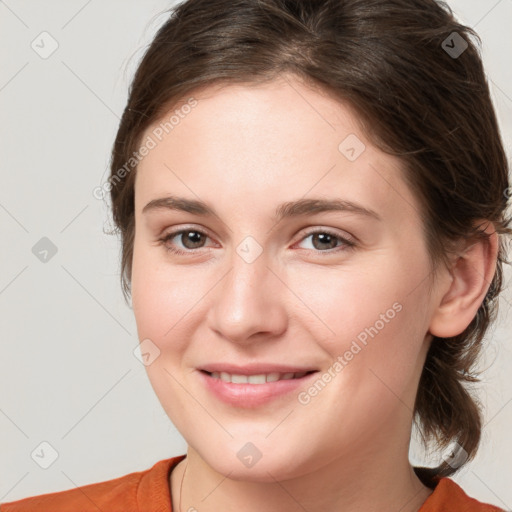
(466, 286)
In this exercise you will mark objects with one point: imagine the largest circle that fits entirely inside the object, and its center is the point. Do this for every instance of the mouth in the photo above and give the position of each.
(259, 378)
(254, 390)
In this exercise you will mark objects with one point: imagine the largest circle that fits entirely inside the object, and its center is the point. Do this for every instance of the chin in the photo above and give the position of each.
(268, 468)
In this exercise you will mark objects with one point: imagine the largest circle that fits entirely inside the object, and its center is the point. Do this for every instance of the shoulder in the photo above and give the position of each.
(449, 496)
(126, 493)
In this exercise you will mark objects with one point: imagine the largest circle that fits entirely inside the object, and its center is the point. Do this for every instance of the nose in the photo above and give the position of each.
(247, 305)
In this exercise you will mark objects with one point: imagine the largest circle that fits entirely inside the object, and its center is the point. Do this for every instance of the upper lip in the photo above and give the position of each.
(254, 368)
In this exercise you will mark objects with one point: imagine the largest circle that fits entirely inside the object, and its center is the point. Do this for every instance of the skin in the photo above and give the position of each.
(243, 150)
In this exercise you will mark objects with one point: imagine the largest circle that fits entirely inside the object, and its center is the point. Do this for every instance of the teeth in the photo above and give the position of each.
(239, 379)
(256, 379)
(223, 375)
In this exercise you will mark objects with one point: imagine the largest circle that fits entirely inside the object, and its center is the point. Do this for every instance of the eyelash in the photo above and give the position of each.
(347, 243)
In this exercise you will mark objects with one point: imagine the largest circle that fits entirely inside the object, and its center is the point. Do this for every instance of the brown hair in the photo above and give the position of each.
(395, 63)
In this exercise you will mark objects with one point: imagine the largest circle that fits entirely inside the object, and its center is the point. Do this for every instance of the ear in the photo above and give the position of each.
(466, 285)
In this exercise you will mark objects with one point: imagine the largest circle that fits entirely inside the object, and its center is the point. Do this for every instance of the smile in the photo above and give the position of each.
(256, 379)
(250, 391)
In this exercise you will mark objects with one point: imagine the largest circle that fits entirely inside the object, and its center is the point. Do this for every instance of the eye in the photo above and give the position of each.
(322, 240)
(326, 241)
(189, 238)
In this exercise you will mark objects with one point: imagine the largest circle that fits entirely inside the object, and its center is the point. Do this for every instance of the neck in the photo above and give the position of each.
(371, 484)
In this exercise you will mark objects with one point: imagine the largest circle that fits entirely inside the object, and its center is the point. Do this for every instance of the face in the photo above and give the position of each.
(266, 271)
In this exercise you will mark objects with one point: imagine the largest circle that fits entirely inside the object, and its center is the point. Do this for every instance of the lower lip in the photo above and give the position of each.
(251, 395)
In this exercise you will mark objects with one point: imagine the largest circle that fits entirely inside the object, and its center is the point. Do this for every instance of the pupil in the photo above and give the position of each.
(194, 237)
(190, 235)
(325, 238)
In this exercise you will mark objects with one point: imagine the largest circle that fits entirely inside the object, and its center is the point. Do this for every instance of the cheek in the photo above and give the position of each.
(372, 327)
(155, 298)
(374, 320)
(341, 304)
(165, 299)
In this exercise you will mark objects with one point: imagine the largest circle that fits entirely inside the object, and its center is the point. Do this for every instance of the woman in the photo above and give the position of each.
(312, 201)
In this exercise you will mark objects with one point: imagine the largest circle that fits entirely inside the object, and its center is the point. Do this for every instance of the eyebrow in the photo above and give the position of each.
(284, 210)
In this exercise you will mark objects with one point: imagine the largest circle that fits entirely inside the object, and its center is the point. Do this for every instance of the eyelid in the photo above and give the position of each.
(168, 235)
(311, 230)
(347, 241)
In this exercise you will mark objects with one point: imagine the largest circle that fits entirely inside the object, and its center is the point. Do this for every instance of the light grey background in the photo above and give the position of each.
(68, 375)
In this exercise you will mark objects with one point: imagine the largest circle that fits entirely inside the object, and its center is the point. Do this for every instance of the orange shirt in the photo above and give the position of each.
(148, 491)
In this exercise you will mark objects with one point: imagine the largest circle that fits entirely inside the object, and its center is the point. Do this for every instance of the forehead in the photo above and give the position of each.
(280, 139)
